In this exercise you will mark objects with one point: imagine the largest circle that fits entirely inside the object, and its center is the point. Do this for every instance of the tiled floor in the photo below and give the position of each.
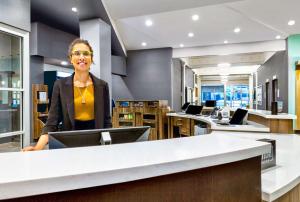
(10, 147)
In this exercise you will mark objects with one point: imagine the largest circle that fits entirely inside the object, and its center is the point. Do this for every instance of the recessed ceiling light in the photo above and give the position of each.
(278, 37)
(237, 30)
(144, 44)
(225, 41)
(291, 22)
(148, 23)
(195, 17)
(64, 63)
(191, 34)
(3, 83)
(224, 65)
(181, 45)
(74, 9)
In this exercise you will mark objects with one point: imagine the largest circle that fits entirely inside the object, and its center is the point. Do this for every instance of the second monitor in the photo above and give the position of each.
(210, 103)
(194, 109)
(82, 138)
(238, 117)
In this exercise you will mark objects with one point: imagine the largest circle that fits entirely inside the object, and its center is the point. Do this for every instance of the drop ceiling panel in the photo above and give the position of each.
(130, 8)
(216, 24)
(259, 20)
(272, 13)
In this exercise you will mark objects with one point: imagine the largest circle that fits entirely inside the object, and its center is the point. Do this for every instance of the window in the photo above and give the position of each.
(210, 92)
(237, 96)
(12, 85)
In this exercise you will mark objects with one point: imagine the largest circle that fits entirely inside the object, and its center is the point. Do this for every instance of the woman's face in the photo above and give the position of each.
(81, 57)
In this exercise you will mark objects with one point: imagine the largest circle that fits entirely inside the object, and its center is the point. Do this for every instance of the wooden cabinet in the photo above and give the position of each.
(40, 108)
(128, 113)
(184, 125)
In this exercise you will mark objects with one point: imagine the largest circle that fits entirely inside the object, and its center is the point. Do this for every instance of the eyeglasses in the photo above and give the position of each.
(84, 53)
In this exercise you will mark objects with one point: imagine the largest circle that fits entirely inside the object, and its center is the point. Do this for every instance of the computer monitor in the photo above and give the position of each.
(185, 106)
(194, 109)
(238, 116)
(83, 138)
(210, 103)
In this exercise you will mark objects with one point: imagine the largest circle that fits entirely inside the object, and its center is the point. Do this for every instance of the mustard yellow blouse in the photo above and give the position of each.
(84, 103)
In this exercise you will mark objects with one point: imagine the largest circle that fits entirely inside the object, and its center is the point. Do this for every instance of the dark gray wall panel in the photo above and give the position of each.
(276, 65)
(189, 77)
(118, 65)
(176, 84)
(15, 13)
(119, 88)
(36, 77)
(149, 73)
(49, 42)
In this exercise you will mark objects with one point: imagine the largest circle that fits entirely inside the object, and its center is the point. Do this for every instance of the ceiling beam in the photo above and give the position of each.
(228, 49)
(91, 9)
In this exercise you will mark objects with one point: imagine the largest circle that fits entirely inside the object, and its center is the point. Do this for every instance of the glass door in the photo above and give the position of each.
(11, 92)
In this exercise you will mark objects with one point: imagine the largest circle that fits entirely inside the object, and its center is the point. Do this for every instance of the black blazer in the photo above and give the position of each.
(62, 105)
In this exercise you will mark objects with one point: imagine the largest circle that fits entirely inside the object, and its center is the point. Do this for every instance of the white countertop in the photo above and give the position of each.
(250, 127)
(39, 172)
(278, 180)
(268, 114)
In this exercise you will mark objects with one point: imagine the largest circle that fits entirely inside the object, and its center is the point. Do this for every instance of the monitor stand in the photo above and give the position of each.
(105, 138)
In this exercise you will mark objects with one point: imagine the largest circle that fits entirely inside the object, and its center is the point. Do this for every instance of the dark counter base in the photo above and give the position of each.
(233, 182)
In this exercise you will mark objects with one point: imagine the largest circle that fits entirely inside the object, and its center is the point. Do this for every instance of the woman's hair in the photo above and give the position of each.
(78, 41)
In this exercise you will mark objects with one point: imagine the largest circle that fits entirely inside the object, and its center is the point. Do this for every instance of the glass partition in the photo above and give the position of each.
(11, 90)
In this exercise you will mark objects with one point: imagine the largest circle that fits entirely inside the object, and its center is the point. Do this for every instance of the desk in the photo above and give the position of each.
(280, 123)
(186, 125)
(201, 168)
(280, 183)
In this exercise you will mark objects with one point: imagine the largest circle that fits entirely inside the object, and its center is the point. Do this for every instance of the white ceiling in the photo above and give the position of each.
(259, 20)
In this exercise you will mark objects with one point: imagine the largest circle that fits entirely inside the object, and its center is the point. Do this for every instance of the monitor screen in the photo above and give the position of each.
(210, 103)
(194, 109)
(238, 117)
(185, 106)
(83, 138)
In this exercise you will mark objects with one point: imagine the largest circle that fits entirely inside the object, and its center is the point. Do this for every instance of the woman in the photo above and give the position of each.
(80, 101)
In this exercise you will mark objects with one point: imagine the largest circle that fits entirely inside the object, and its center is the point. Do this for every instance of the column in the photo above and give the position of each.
(98, 33)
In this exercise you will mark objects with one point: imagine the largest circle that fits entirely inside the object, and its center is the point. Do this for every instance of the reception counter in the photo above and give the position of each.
(195, 168)
(186, 124)
(279, 183)
(279, 123)
(258, 121)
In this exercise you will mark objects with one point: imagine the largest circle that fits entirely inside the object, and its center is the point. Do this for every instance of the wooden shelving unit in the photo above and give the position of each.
(40, 108)
(143, 113)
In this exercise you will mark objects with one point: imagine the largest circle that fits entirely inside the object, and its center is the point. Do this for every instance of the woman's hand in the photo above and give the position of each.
(43, 140)
(29, 148)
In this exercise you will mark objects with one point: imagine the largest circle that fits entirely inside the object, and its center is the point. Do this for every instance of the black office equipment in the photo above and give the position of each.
(185, 106)
(214, 112)
(268, 159)
(83, 138)
(194, 109)
(210, 103)
(274, 108)
(238, 116)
